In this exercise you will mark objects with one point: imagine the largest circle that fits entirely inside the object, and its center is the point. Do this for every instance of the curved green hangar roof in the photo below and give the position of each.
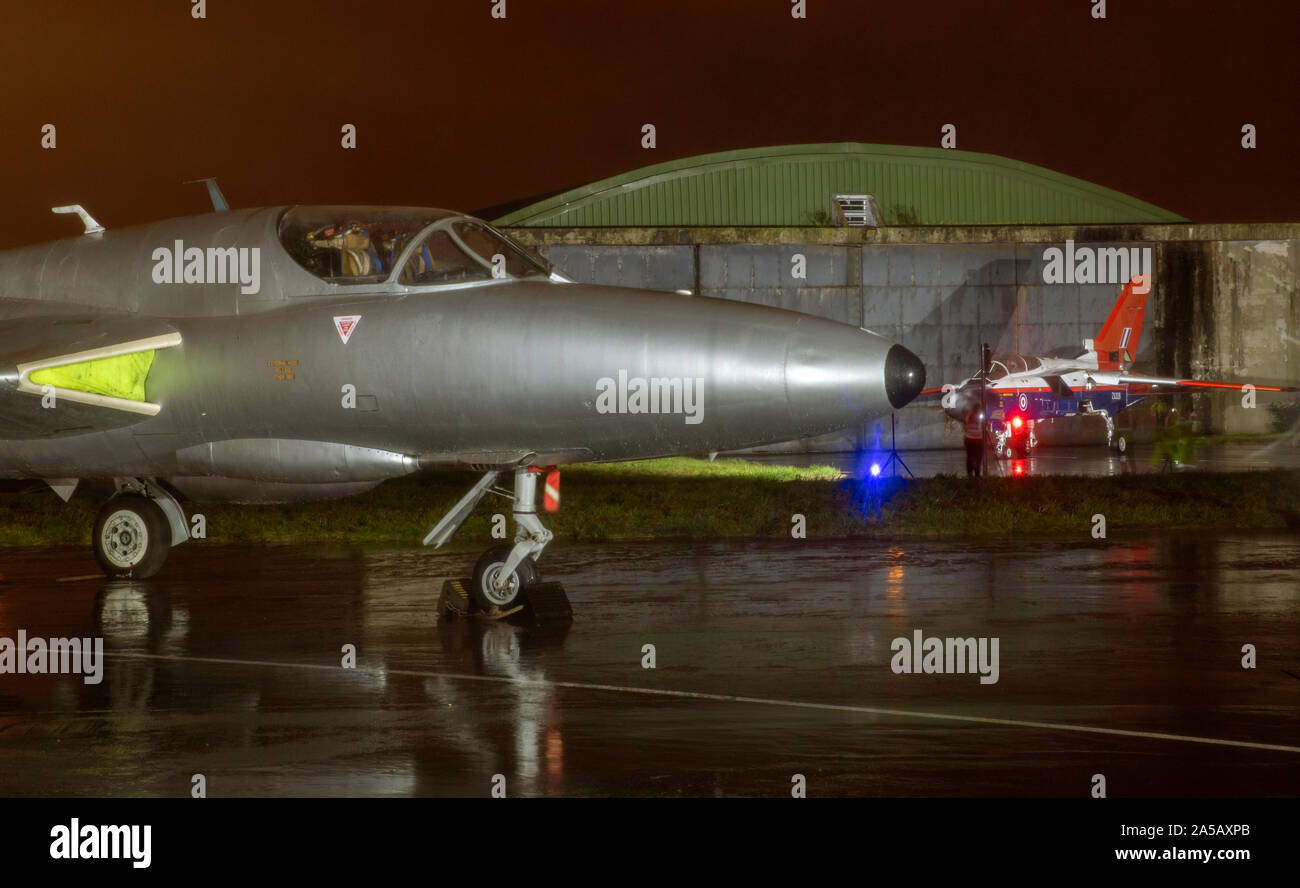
(794, 185)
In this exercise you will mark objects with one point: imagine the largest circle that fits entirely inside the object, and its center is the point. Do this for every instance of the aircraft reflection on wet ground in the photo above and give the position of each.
(772, 658)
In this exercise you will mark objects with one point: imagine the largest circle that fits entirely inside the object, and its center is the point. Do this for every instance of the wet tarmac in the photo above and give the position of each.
(1120, 658)
(1098, 460)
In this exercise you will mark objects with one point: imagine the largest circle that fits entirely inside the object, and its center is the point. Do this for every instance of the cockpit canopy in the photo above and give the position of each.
(1001, 365)
(410, 245)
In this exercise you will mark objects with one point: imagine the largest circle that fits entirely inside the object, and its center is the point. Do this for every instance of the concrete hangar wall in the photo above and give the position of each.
(1226, 300)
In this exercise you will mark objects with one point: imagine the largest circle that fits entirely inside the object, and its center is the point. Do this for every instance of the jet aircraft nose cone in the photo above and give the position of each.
(904, 376)
(837, 375)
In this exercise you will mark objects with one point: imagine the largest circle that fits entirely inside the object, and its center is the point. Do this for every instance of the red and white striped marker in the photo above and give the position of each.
(551, 492)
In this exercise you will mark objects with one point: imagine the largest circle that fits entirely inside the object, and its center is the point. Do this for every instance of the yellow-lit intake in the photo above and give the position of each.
(121, 376)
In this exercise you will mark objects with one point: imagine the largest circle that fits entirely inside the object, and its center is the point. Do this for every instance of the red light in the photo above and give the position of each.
(1017, 422)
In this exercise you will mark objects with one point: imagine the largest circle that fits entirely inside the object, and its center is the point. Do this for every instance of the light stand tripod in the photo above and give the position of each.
(894, 460)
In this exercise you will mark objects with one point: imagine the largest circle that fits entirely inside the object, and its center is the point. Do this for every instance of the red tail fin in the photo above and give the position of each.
(1117, 343)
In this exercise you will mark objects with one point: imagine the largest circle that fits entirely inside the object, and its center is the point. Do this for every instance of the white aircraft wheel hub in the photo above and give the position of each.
(125, 538)
(500, 597)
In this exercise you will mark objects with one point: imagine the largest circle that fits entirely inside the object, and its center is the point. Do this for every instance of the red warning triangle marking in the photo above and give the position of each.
(345, 324)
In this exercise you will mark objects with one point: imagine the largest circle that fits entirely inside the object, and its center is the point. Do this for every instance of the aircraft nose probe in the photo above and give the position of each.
(904, 376)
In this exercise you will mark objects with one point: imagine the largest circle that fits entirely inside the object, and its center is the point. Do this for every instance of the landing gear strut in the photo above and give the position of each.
(1115, 440)
(506, 577)
(519, 570)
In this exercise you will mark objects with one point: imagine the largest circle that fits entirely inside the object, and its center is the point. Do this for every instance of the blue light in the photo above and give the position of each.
(875, 470)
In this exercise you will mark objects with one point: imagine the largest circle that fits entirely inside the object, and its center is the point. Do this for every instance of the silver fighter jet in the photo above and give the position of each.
(301, 353)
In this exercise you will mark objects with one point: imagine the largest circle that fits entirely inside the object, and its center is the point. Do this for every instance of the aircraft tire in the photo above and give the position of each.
(131, 537)
(489, 563)
(1121, 443)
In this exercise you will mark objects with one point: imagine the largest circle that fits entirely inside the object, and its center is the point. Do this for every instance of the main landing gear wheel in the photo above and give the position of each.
(131, 537)
(488, 592)
(1121, 443)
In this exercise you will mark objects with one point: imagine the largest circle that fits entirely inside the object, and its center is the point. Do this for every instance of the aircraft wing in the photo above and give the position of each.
(1140, 384)
(1059, 386)
(68, 370)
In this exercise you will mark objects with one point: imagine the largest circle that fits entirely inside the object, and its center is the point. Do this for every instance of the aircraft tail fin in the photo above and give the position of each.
(1117, 343)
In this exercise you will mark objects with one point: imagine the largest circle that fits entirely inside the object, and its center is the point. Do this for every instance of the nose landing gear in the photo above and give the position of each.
(1009, 445)
(506, 578)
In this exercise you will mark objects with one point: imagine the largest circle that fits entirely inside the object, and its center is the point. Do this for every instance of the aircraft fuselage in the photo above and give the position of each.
(309, 388)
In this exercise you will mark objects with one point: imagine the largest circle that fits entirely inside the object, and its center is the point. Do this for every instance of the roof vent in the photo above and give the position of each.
(856, 210)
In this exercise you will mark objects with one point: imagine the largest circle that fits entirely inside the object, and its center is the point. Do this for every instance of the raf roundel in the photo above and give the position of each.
(345, 324)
